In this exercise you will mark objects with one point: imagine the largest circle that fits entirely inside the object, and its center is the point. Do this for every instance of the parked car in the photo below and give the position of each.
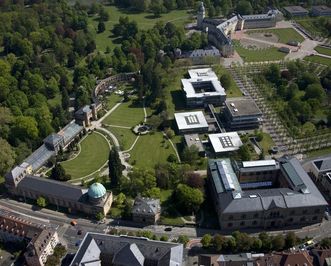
(73, 222)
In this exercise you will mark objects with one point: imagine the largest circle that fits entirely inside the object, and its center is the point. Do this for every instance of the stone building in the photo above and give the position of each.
(40, 239)
(146, 210)
(264, 194)
(87, 113)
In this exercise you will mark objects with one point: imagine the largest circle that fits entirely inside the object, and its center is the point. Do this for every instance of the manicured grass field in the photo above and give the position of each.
(284, 35)
(144, 21)
(127, 114)
(112, 100)
(319, 59)
(323, 50)
(233, 90)
(267, 143)
(94, 153)
(269, 54)
(125, 136)
(150, 150)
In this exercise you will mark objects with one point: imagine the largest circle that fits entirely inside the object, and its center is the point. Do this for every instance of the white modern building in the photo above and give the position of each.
(191, 122)
(203, 88)
(225, 142)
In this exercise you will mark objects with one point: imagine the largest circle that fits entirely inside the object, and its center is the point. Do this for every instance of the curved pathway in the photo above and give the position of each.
(173, 146)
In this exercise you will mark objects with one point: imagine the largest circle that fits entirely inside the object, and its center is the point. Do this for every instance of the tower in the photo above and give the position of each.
(201, 15)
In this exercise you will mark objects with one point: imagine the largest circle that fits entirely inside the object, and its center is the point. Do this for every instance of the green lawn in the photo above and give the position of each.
(150, 150)
(144, 21)
(284, 35)
(125, 136)
(269, 54)
(112, 100)
(319, 152)
(94, 153)
(233, 90)
(323, 50)
(127, 114)
(319, 59)
(310, 26)
(267, 143)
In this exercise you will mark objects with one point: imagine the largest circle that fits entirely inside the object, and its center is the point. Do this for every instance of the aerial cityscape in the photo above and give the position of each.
(165, 132)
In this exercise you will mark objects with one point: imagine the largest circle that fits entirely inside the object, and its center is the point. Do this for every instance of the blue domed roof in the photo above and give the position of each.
(96, 191)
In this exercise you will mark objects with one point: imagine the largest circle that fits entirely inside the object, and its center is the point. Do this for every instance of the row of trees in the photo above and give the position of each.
(242, 242)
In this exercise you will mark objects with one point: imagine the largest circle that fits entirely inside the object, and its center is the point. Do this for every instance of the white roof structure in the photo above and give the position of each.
(259, 163)
(202, 73)
(191, 120)
(202, 82)
(225, 142)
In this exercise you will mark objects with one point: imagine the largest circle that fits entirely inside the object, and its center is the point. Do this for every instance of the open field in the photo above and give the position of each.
(269, 54)
(318, 59)
(94, 154)
(144, 21)
(323, 50)
(125, 136)
(284, 35)
(150, 150)
(127, 114)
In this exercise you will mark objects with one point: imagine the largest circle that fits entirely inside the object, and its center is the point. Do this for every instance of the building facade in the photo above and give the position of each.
(295, 11)
(321, 11)
(40, 239)
(252, 201)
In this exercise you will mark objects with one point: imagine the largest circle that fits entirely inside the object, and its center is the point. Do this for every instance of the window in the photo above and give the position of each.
(254, 223)
(290, 220)
(242, 223)
(314, 218)
(292, 212)
(243, 216)
(317, 210)
(256, 215)
(304, 212)
(231, 217)
(229, 224)
(302, 219)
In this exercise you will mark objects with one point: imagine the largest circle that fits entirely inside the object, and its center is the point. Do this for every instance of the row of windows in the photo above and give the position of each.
(290, 220)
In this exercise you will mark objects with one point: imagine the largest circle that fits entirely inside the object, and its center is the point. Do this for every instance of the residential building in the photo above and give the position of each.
(285, 197)
(321, 11)
(146, 210)
(322, 256)
(194, 140)
(203, 88)
(101, 249)
(295, 11)
(224, 143)
(191, 122)
(241, 259)
(41, 239)
(241, 113)
(301, 258)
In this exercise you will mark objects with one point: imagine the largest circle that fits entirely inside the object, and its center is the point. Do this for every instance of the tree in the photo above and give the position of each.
(188, 199)
(164, 238)
(211, 11)
(156, 7)
(190, 154)
(120, 199)
(266, 241)
(290, 240)
(7, 156)
(170, 133)
(226, 81)
(244, 153)
(183, 239)
(206, 241)
(244, 7)
(41, 202)
(278, 242)
(219, 242)
(115, 167)
(25, 127)
(195, 180)
(101, 27)
(99, 216)
(58, 173)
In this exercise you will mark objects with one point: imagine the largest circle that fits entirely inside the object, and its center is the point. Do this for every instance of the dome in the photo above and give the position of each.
(96, 191)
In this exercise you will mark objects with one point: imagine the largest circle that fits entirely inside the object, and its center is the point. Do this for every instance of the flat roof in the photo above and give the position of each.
(259, 163)
(199, 76)
(202, 73)
(225, 142)
(295, 9)
(242, 106)
(191, 120)
(194, 139)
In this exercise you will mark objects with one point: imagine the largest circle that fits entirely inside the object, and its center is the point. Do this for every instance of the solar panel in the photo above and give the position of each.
(225, 176)
(226, 142)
